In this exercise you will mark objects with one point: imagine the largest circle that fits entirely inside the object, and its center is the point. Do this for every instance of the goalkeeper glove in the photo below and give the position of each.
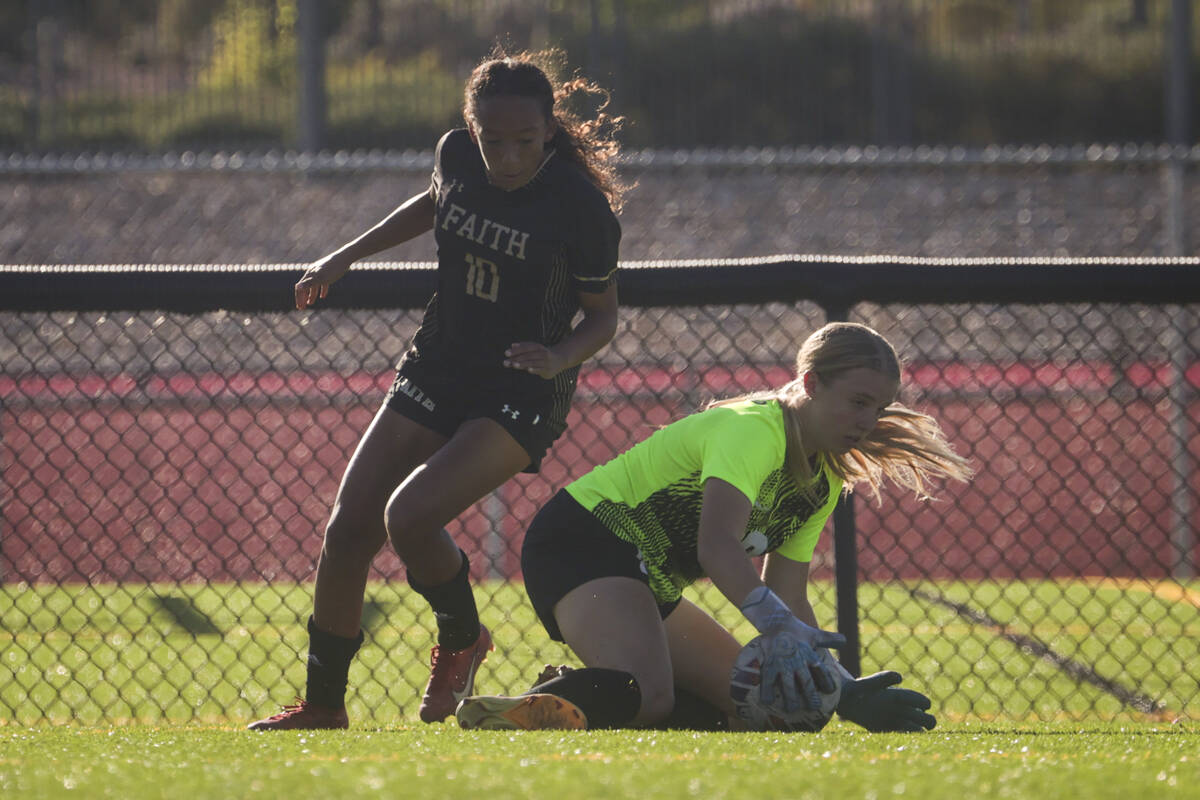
(873, 704)
(789, 663)
(792, 657)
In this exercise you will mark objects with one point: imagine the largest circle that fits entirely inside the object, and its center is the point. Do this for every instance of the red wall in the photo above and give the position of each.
(231, 477)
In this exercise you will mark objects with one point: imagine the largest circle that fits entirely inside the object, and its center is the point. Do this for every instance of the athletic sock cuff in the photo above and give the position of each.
(329, 657)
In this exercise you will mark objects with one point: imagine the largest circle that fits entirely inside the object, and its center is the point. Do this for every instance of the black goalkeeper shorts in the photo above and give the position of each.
(565, 547)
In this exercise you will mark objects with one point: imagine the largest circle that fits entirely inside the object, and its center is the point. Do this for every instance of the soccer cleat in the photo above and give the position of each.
(550, 672)
(529, 712)
(452, 677)
(304, 716)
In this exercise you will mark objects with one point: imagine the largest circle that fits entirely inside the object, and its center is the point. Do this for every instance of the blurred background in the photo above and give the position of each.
(149, 75)
(916, 127)
(167, 463)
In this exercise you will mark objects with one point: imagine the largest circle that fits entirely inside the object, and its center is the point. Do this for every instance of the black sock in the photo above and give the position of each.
(693, 713)
(610, 698)
(453, 605)
(329, 658)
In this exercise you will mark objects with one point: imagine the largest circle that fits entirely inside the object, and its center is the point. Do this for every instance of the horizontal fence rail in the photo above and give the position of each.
(409, 160)
(171, 437)
(830, 281)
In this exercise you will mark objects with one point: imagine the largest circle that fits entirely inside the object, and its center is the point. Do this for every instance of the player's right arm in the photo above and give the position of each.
(724, 512)
(410, 219)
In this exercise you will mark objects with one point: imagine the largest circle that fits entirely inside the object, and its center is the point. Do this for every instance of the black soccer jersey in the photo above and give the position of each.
(510, 262)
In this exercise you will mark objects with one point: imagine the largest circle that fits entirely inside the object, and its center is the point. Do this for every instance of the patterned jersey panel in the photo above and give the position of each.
(665, 527)
(658, 510)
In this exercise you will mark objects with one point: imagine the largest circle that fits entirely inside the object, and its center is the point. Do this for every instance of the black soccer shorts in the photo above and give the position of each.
(443, 399)
(564, 548)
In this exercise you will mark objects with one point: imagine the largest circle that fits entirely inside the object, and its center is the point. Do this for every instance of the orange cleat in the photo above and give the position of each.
(453, 677)
(304, 716)
(528, 712)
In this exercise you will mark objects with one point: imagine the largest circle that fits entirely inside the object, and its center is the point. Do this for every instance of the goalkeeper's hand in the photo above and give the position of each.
(873, 704)
(791, 666)
(792, 659)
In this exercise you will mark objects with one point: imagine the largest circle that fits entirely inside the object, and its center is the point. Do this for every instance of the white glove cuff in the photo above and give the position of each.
(765, 610)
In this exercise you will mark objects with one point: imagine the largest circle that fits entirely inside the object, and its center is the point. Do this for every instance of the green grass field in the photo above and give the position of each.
(139, 691)
(1044, 761)
(222, 653)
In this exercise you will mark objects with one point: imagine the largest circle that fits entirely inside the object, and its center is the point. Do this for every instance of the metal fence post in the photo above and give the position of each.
(1178, 129)
(1183, 539)
(312, 75)
(845, 554)
(495, 546)
(1178, 122)
(845, 560)
(1179, 90)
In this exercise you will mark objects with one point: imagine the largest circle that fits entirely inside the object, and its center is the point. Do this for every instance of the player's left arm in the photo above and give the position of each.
(873, 702)
(789, 580)
(595, 330)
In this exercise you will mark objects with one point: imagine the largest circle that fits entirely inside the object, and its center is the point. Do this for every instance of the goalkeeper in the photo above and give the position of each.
(606, 560)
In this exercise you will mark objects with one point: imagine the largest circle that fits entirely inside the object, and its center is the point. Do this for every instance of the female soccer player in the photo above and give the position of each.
(606, 560)
(522, 206)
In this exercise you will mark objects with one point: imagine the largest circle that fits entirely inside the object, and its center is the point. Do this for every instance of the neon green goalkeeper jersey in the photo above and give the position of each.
(650, 495)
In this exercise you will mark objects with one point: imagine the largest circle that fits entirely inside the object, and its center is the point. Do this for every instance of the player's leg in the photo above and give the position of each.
(702, 656)
(478, 458)
(391, 447)
(589, 590)
(614, 626)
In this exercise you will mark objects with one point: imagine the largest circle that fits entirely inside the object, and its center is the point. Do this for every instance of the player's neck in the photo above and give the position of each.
(532, 177)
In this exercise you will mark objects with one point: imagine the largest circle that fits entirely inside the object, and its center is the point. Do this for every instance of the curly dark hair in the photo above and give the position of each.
(589, 144)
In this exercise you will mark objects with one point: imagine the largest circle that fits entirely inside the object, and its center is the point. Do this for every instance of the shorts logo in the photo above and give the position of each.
(515, 413)
(412, 390)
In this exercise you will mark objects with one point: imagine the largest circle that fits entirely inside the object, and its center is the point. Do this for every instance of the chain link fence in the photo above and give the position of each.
(167, 476)
(247, 208)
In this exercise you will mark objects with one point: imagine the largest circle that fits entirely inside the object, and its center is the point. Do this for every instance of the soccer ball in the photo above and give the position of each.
(744, 689)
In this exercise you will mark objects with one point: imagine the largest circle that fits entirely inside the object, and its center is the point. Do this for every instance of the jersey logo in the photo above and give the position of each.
(755, 543)
(512, 412)
(481, 230)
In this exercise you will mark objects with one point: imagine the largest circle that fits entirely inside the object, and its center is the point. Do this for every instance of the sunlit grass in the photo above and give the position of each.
(227, 653)
(1044, 760)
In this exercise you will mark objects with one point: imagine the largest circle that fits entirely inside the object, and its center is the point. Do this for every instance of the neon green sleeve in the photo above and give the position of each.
(742, 446)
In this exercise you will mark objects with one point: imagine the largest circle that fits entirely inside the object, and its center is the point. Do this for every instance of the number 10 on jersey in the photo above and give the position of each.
(483, 279)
